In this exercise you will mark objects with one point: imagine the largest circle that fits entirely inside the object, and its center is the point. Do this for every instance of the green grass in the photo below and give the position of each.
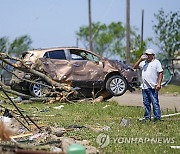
(170, 89)
(94, 115)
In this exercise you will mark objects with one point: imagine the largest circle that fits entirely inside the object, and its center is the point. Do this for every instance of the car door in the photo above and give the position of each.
(87, 68)
(57, 66)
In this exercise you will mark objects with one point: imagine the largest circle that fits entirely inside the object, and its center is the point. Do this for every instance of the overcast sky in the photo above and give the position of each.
(52, 23)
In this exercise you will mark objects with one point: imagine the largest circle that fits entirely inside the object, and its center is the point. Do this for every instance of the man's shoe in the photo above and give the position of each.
(144, 120)
(157, 120)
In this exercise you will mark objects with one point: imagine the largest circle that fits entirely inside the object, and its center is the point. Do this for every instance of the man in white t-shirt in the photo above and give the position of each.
(152, 75)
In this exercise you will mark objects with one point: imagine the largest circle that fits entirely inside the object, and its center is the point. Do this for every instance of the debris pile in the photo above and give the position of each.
(19, 133)
(35, 76)
(8, 127)
(50, 139)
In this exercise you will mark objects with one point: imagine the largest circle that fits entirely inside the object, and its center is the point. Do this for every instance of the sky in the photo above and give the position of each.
(54, 23)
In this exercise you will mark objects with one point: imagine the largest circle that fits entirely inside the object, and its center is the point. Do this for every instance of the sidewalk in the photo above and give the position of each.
(135, 99)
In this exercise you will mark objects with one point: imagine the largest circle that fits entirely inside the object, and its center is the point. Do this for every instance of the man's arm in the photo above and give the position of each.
(136, 65)
(160, 78)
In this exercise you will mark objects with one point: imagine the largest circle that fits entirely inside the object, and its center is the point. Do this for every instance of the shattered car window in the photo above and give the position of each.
(82, 55)
(91, 57)
(76, 57)
(56, 54)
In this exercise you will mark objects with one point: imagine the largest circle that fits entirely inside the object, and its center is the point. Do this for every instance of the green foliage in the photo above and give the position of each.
(170, 89)
(110, 39)
(19, 45)
(3, 44)
(106, 38)
(167, 32)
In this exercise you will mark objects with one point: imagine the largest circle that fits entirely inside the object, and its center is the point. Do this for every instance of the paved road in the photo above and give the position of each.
(169, 101)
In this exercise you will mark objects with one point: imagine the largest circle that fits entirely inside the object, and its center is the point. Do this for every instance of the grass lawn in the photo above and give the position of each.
(135, 138)
(170, 89)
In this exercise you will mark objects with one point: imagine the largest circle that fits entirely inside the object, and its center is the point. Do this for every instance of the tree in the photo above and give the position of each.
(138, 47)
(19, 45)
(167, 33)
(3, 44)
(110, 39)
(105, 37)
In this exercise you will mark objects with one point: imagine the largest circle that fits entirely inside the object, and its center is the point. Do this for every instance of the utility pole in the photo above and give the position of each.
(128, 32)
(142, 28)
(90, 26)
(77, 42)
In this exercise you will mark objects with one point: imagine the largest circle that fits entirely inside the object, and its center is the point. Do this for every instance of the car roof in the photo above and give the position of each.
(39, 52)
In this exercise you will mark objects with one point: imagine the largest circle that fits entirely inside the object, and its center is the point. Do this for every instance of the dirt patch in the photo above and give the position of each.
(170, 101)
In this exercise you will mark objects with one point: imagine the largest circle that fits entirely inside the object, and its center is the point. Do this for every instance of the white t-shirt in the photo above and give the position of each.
(150, 71)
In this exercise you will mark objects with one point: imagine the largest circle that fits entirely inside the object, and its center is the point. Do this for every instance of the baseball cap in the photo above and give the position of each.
(150, 52)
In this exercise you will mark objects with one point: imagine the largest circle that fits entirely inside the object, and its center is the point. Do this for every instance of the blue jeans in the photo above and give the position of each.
(151, 96)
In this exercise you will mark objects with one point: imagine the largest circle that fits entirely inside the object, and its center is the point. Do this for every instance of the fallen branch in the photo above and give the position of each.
(23, 79)
(14, 105)
(9, 90)
(20, 65)
(32, 74)
(36, 72)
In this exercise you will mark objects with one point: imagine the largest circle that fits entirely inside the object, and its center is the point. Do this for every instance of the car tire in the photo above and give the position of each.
(38, 90)
(116, 85)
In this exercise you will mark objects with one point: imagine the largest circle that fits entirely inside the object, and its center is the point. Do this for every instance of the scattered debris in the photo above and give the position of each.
(170, 115)
(76, 148)
(124, 122)
(22, 135)
(56, 149)
(44, 110)
(39, 140)
(75, 127)
(106, 106)
(99, 129)
(106, 128)
(66, 142)
(8, 127)
(17, 99)
(175, 147)
(56, 131)
(59, 107)
(50, 140)
(36, 136)
(175, 94)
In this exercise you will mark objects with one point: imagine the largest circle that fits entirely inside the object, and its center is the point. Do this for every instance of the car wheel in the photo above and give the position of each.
(116, 85)
(38, 90)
